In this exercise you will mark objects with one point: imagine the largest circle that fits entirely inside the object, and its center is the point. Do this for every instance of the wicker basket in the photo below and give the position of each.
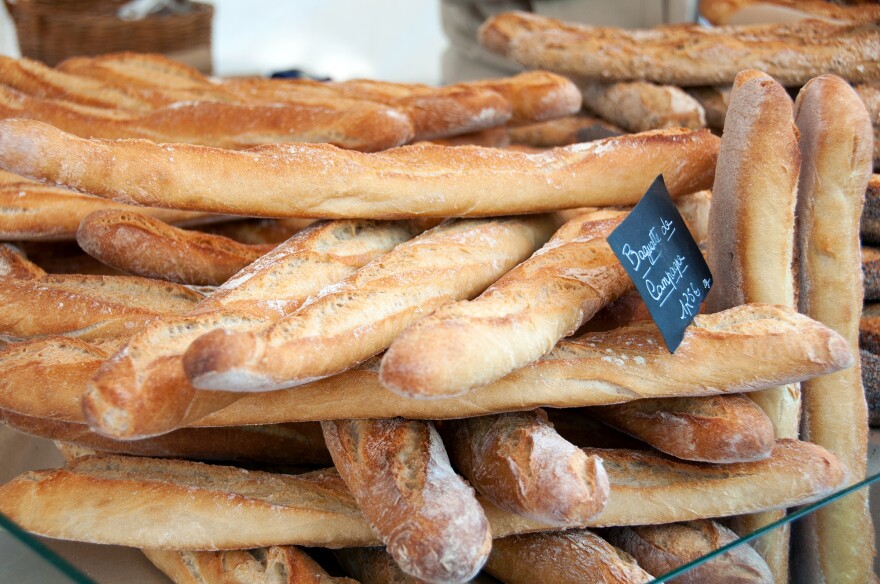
(52, 30)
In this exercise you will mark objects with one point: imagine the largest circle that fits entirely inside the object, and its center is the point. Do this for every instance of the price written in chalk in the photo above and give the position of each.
(656, 249)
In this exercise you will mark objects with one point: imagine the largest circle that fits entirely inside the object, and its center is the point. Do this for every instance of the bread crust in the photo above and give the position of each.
(350, 321)
(639, 106)
(516, 321)
(691, 55)
(563, 131)
(836, 145)
(720, 12)
(424, 179)
(425, 514)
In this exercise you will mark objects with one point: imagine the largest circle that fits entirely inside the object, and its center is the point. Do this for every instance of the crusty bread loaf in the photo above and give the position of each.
(694, 209)
(143, 390)
(717, 428)
(535, 96)
(93, 499)
(520, 464)
(836, 145)
(870, 222)
(715, 100)
(14, 264)
(424, 513)
(272, 565)
(563, 131)
(280, 444)
(660, 549)
(293, 180)
(144, 246)
(33, 211)
(564, 557)
(639, 106)
(89, 307)
(351, 321)
(720, 12)
(688, 54)
(520, 317)
(870, 95)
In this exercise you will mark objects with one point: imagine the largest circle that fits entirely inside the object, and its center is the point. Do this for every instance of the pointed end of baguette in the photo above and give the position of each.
(223, 360)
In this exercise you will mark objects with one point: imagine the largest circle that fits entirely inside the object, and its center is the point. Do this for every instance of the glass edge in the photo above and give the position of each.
(789, 517)
(41, 549)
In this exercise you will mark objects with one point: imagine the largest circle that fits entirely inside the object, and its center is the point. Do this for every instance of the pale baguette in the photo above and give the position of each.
(292, 180)
(519, 463)
(272, 565)
(425, 514)
(716, 428)
(143, 391)
(92, 499)
(564, 557)
(351, 321)
(836, 145)
(89, 307)
(688, 54)
(639, 106)
(663, 548)
(779, 346)
(468, 344)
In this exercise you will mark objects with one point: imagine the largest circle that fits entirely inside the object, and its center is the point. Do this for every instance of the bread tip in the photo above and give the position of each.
(104, 418)
(218, 361)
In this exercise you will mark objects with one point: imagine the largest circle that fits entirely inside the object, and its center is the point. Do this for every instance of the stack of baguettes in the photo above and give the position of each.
(444, 299)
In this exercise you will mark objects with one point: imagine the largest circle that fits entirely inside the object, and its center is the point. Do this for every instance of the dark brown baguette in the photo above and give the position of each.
(92, 499)
(143, 391)
(143, 246)
(272, 565)
(871, 273)
(563, 557)
(424, 179)
(516, 321)
(520, 464)
(351, 321)
(869, 225)
(282, 444)
(716, 428)
(686, 55)
(424, 513)
(663, 548)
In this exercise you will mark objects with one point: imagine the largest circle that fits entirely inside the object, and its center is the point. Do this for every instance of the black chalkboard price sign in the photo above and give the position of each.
(656, 249)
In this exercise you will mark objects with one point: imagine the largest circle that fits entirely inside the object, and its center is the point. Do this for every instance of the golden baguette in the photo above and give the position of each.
(144, 246)
(280, 444)
(469, 344)
(133, 501)
(687, 54)
(535, 96)
(426, 515)
(836, 145)
(715, 428)
(89, 307)
(292, 180)
(14, 264)
(350, 321)
(519, 463)
(720, 12)
(143, 390)
(663, 548)
(563, 557)
(777, 345)
(639, 106)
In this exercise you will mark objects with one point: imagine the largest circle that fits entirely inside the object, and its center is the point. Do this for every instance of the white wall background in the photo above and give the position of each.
(383, 39)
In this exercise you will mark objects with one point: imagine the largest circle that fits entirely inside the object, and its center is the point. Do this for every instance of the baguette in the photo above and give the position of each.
(639, 106)
(279, 444)
(520, 464)
(751, 248)
(144, 246)
(715, 100)
(870, 364)
(89, 307)
(720, 12)
(565, 557)
(777, 347)
(425, 514)
(870, 95)
(30, 211)
(515, 321)
(688, 54)
(422, 179)
(143, 390)
(663, 548)
(871, 273)
(272, 565)
(869, 225)
(14, 264)
(717, 428)
(353, 320)
(534, 96)
(563, 131)
(227, 508)
(836, 143)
